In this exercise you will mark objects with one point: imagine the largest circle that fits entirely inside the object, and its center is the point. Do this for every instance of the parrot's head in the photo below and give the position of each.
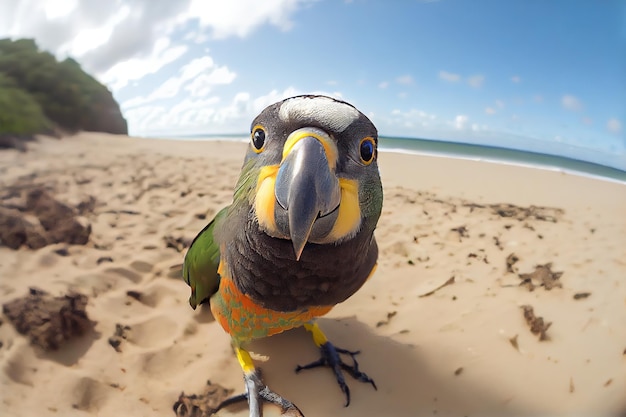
(313, 171)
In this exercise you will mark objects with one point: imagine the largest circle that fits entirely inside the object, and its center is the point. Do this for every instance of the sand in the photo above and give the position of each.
(459, 349)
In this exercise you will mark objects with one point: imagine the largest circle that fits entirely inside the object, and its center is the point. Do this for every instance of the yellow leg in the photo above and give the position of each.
(318, 335)
(256, 391)
(245, 360)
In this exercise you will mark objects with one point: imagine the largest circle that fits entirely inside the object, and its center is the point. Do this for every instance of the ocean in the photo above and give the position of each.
(501, 155)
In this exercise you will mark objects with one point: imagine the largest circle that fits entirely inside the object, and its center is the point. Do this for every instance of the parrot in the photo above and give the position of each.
(297, 239)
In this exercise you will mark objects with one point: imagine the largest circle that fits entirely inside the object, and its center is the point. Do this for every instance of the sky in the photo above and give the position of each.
(542, 75)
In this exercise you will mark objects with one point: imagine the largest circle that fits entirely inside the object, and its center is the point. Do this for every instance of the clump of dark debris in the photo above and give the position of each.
(536, 324)
(178, 243)
(542, 276)
(390, 315)
(510, 261)
(49, 321)
(546, 214)
(31, 216)
(203, 405)
(120, 334)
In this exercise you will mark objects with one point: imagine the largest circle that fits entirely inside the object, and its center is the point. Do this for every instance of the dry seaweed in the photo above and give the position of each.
(450, 281)
(542, 276)
(536, 324)
(120, 334)
(49, 321)
(389, 317)
(203, 405)
(510, 261)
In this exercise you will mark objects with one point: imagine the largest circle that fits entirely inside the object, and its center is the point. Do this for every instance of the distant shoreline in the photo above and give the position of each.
(467, 151)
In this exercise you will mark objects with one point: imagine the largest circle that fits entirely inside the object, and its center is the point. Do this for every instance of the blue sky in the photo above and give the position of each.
(545, 75)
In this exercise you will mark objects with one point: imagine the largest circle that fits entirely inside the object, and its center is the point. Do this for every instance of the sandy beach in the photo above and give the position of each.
(472, 255)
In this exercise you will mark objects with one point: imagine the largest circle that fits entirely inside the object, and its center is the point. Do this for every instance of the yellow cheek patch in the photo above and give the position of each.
(329, 146)
(349, 216)
(265, 201)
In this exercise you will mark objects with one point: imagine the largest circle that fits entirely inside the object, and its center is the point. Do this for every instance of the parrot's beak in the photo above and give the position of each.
(306, 185)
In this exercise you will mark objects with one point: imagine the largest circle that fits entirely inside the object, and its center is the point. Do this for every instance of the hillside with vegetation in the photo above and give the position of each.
(40, 95)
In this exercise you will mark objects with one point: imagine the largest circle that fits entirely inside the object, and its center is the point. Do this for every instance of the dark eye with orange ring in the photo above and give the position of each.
(367, 150)
(258, 139)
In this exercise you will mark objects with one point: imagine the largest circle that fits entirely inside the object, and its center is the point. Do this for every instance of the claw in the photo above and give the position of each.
(330, 357)
(257, 393)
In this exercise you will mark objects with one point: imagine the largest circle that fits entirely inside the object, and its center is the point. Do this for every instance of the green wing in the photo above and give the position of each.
(202, 261)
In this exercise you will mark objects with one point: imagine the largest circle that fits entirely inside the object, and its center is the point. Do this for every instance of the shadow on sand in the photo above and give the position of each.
(407, 386)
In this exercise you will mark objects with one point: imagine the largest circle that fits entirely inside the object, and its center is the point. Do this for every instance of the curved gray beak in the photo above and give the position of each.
(306, 188)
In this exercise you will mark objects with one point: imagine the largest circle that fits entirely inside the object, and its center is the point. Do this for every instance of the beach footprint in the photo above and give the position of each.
(154, 332)
(161, 292)
(125, 272)
(89, 394)
(18, 365)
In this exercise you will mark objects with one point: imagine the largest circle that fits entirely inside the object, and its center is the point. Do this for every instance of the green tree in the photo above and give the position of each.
(67, 96)
(20, 113)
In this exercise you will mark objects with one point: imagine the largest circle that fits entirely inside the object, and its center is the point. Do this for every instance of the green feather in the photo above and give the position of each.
(202, 261)
(203, 256)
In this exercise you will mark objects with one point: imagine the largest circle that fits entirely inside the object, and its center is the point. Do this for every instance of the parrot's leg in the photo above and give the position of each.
(330, 357)
(257, 391)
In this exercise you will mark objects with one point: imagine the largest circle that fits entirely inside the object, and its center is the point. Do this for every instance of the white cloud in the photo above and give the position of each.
(99, 34)
(198, 77)
(197, 37)
(572, 103)
(614, 125)
(204, 83)
(516, 79)
(113, 38)
(55, 9)
(420, 123)
(587, 120)
(500, 104)
(449, 76)
(476, 81)
(240, 18)
(418, 116)
(460, 121)
(405, 80)
(187, 115)
(122, 72)
(408, 121)
(95, 37)
(490, 110)
(383, 85)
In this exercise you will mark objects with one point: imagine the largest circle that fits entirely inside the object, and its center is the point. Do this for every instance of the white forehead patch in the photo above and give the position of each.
(335, 115)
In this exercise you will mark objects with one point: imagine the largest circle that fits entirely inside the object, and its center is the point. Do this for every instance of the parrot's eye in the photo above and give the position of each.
(367, 150)
(258, 138)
